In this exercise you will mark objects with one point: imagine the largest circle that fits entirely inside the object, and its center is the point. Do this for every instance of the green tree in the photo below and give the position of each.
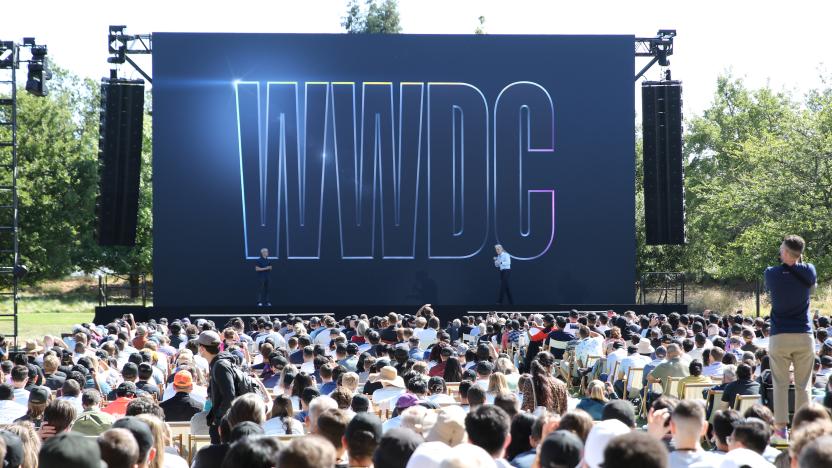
(376, 18)
(758, 166)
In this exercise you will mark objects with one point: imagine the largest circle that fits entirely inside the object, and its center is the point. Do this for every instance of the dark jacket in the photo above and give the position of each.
(180, 407)
(55, 381)
(221, 387)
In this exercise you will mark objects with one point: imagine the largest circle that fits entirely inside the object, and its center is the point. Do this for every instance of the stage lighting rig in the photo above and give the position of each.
(121, 45)
(659, 48)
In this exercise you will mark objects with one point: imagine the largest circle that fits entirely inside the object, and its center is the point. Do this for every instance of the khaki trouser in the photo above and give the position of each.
(786, 349)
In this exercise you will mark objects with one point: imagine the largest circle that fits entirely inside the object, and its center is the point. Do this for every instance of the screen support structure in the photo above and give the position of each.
(659, 48)
(39, 73)
(121, 46)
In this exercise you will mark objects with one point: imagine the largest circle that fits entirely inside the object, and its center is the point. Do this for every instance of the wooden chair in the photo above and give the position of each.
(596, 364)
(695, 391)
(452, 388)
(655, 388)
(743, 402)
(634, 378)
(179, 432)
(714, 397)
(196, 442)
(614, 373)
(671, 386)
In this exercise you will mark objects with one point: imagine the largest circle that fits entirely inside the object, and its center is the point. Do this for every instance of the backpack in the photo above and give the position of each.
(244, 383)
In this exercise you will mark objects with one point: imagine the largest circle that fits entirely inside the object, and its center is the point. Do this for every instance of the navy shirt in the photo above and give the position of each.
(790, 297)
(263, 263)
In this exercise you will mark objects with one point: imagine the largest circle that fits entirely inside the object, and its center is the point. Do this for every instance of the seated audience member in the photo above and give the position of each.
(392, 387)
(521, 436)
(695, 377)
(595, 399)
(620, 410)
(281, 419)
(20, 377)
(92, 421)
(9, 409)
(57, 418)
(596, 442)
(560, 448)
(748, 442)
(69, 450)
(38, 399)
(395, 448)
(160, 441)
(146, 382)
(361, 437)
(634, 449)
(308, 452)
(118, 448)
(723, 427)
(316, 407)
(488, 427)
(125, 393)
(476, 397)
(744, 385)
(817, 454)
(802, 436)
(212, 455)
(509, 403)
(332, 425)
(687, 426)
(180, 407)
(143, 436)
(256, 451)
(71, 392)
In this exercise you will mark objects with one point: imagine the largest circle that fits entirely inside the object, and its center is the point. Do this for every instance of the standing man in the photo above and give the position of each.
(503, 262)
(263, 269)
(790, 285)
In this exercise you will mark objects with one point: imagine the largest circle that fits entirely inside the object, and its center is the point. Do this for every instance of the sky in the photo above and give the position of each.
(781, 44)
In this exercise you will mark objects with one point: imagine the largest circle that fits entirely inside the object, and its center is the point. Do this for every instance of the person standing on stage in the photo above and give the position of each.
(791, 344)
(263, 269)
(503, 262)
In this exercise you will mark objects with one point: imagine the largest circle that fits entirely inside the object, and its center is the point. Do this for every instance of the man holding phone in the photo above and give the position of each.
(790, 286)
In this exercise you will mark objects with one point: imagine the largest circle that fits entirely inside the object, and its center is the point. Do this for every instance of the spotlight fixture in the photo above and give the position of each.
(39, 71)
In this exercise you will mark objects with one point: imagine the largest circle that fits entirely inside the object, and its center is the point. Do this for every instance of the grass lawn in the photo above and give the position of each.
(38, 316)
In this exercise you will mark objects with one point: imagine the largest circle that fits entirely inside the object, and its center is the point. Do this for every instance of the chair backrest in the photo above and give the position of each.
(555, 344)
(714, 397)
(695, 391)
(591, 360)
(196, 442)
(671, 386)
(613, 374)
(634, 377)
(743, 402)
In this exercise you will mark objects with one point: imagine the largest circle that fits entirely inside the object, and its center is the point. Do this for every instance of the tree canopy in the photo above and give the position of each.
(374, 18)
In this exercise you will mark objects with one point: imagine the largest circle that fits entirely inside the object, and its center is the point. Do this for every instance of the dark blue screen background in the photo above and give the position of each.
(200, 256)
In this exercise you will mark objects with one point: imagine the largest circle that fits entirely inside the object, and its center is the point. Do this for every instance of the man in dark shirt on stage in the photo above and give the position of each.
(263, 269)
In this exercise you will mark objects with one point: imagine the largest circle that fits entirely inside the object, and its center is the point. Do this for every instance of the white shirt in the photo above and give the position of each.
(279, 341)
(308, 367)
(715, 369)
(75, 401)
(614, 357)
(426, 336)
(635, 361)
(383, 396)
(9, 411)
(21, 397)
(441, 398)
(199, 394)
(276, 426)
(503, 261)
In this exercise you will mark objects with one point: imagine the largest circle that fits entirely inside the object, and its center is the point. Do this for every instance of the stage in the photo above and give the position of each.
(220, 315)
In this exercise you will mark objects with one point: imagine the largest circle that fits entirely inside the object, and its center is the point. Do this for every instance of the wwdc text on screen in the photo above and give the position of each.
(381, 170)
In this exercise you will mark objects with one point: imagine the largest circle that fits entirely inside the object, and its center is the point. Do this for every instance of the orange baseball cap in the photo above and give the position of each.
(183, 379)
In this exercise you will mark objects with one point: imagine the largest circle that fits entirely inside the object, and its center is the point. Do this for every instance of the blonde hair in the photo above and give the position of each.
(497, 383)
(350, 380)
(595, 390)
(505, 366)
(160, 438)
(30, 439)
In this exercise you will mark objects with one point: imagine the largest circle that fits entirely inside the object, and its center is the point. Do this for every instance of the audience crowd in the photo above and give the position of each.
(582, 389)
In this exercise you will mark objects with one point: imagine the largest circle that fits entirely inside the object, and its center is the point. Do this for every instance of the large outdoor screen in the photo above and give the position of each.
(383, 169)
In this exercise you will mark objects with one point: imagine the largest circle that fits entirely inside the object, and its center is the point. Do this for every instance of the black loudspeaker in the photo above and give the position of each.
(664, 191)
(119, 158)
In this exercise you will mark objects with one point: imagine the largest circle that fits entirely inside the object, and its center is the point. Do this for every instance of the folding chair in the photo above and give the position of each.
(612, 375)
(695, 391)
(743, 402)
(655, 387)
(634, 375)
(196, 442)
(178, 432)
(714, 397)
(671, 386)
(596, 365)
